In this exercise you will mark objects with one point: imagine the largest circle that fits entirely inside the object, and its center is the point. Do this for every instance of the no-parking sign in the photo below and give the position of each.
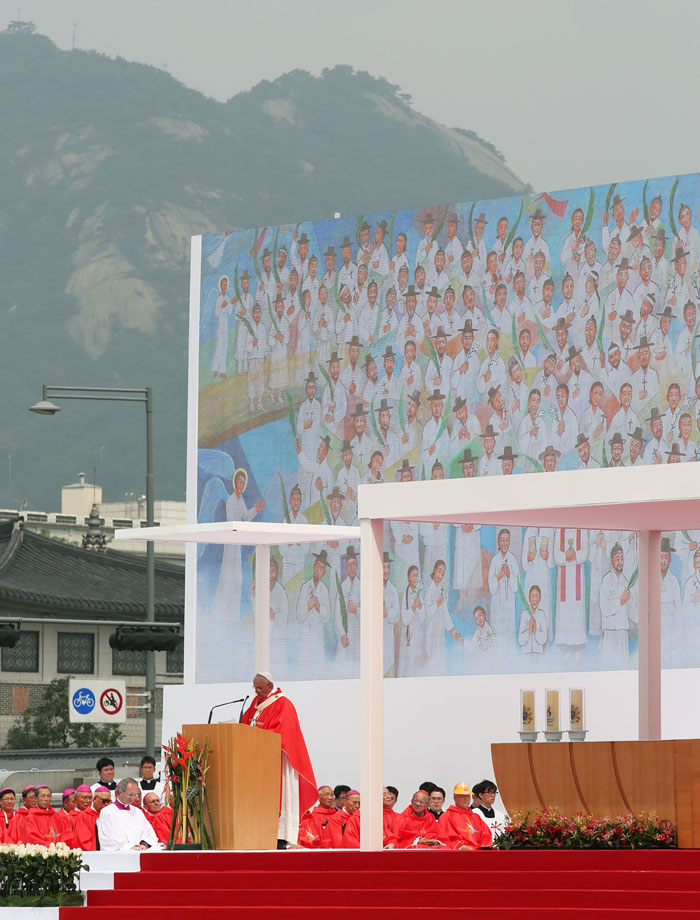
(97, 700)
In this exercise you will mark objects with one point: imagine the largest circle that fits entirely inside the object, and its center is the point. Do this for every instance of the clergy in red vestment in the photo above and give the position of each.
(68, 810)
(389, 816)
(160, 816)
(459, 827)
(312, 822)
(415, 827)
(272, 711)
(83, 798)
(44, 825)
(84, 833)
(343, 829)
(16, 830)
(7, 812)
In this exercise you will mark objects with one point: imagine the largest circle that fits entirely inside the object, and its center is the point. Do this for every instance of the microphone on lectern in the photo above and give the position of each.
(240, 718)
(219, 705)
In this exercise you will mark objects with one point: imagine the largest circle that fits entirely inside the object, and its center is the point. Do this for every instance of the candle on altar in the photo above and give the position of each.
(576, 710)
(552, 700)
(527, 710)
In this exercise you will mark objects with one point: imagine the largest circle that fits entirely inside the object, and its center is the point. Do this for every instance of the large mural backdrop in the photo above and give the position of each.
(556, 331)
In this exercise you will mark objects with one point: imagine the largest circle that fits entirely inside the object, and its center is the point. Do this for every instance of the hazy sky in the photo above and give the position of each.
(573, 93)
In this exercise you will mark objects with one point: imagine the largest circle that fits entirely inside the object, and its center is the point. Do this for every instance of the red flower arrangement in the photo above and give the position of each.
(551, 830)
(186, 766)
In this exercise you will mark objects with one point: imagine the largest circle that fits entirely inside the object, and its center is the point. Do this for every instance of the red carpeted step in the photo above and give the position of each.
(528, 910)
(407, 880)
(484, 860)
(661, 900)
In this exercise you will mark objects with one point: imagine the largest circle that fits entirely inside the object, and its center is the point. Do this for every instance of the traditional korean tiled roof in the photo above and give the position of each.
(61, 577)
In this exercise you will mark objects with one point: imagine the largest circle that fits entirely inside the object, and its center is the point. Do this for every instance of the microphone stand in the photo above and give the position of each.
(219, 705)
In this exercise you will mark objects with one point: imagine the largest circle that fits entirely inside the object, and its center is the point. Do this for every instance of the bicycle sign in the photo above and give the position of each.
(84, 701)
(96, 700)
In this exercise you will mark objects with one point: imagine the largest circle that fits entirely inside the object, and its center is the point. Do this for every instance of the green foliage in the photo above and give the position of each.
(47, 725)
(551, 830)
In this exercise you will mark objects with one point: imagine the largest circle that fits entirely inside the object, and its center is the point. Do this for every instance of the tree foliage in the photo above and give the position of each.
(47, 725)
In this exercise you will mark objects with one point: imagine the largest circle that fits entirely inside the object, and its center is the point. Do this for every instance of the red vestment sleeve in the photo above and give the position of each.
(161, 823)
(351, 834)
(46, 826)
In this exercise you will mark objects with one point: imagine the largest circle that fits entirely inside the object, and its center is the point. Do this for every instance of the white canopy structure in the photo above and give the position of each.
(648, 499)
(262, 535)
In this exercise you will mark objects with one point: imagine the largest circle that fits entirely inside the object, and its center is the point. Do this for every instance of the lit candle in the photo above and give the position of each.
(527, 710)
(576, 719)
(552, 698)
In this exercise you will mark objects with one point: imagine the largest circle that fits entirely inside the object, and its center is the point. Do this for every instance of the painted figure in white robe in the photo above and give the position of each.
(483, 641)
(437, 622)
(570, 554)
(410, 648)
(532, 631)
(279, 618)
(313, 612)
(537, 560)
(347, 656)
(503, 586)
(391, 615)
(671, 609)
(222, 309)
(278, 346)
(618, 609)
(466, 569)
(227, 599)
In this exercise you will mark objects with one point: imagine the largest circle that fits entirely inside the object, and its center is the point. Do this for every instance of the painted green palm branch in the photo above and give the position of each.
(686, 536)
(601, 327)
(542, 332)
(390, 232)
(357, 230)
(589, 212)
(375, 426)
(536, 465)
(470, 225)
(438, 229)
(254, 251)
(274, 257)
(521, 596)
(433, 354)
(324, 507)
(608, 197)
(283, 494)
(401, 413)
(343, 605)
(671, 205)
(605, 457)
(645, 206)
(634, 578)
(514, 339)
(445, 418)
(327, 378)
(236, 289)
(291, 413)
(245, 322)
(514, 228)
(336, 296)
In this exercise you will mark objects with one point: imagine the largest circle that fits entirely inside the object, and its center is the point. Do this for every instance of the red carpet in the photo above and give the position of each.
(399, 885)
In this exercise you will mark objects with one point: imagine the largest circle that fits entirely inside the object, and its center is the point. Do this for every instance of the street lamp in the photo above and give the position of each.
(145, 396)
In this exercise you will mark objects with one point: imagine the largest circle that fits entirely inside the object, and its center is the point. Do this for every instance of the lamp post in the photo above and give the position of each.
(145, 396)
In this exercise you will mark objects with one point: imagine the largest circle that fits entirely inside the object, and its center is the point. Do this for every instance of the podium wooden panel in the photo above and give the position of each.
(243, 784)
(605, 778)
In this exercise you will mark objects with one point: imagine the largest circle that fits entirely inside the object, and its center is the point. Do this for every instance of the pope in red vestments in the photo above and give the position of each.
(415, 827)
(272, 711)
(460, 828)
(313, 822)
(44, 825)
(84, 835)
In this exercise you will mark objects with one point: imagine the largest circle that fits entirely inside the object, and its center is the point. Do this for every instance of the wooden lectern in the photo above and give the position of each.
(243, 783)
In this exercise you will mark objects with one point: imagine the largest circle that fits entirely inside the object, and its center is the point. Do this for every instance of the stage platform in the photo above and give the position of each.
(393, 884)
